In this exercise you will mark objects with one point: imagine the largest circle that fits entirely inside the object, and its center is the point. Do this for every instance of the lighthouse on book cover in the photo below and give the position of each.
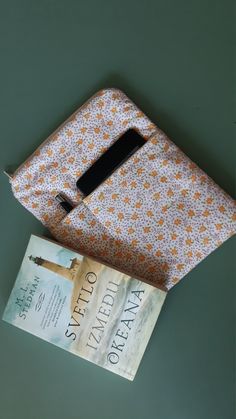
(68, 273)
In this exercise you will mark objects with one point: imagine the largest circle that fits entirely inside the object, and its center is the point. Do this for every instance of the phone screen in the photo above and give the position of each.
(115, 156)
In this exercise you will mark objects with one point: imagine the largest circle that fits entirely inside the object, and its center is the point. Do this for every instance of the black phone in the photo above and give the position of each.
(123, 148)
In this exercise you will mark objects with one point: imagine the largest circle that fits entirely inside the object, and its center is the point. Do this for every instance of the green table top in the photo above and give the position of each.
(175, 60)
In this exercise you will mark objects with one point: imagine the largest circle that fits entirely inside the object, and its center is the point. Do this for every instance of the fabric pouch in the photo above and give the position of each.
(155, 218)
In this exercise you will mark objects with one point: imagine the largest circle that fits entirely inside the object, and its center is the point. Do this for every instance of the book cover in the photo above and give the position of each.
(83, 306)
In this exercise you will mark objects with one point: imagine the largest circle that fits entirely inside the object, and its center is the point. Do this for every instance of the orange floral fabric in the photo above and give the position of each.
(156, 217)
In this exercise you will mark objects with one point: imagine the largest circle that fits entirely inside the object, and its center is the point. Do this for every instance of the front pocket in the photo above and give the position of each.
(162, 211)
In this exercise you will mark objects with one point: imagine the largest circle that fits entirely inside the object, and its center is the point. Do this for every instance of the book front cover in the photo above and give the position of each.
(83, 306)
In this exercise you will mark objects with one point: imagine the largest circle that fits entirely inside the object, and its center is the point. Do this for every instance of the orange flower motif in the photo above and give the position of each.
(177, 221)
(120, 215)
(45, 217)
(28, 176)
(111, 210)
(93, 223)
(209, 201)
(131, 230)
(156, 196)
(110, 123)
(108, 223)
(50, 202)
(123, 184)
(174, 251)
(191, 213)
(164, 267)
(163, 179)
(66, 185)
(126, 200)
(174, 236)
(178, 160)
(114, 110)
(153, 173)
(165, 163)
(160, 237)
(55, 164)
(118, 230)
(96, 130)
(193, 178)
(146, 229)
(166, 147)
(28, 186)
(140, 170)
(83, 130)
(151, 157)
(79, 231)
(203, 179)
(42, 167)
(101, 103)
(149, 246)
(91, 146)
(115, 196)
(99, 116)
(92, 238)
(133, 184)
(159, 253)
(138, 204)
(134, 243)
(160, 222)
(180, 206)
(118, 242)
(146, 185)
(101, 196)
(122, 171)
(64, 170)
(190, 254)
(165, 208)
(184, 192)
(206, 241)
(178, 175)
(105, 237)
(96, 211)
(199, 255)
(202, 228)
(41, 180)
(154, 141)
(222, 208)
(79, 141)
(189, 242)
(106, 136)
(189, 229)
(141, 258)
(62, 150)
(234, 217)
(206, 213)
(180, 266)
(150, 213)
(197, 195)
(218, 226)
(35, 205)
(81, 216)
(170, 193)
(87, 115)
(37, 193)
(136, 160)
(134, 216)
(69, 133)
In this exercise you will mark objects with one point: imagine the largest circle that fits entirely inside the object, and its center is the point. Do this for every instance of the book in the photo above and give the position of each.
(83, 306)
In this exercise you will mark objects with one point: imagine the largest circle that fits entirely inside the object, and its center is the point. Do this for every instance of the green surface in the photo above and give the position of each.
(175, 60)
